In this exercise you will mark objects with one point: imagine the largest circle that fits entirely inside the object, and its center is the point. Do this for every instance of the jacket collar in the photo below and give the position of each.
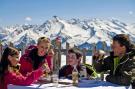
(127, 56)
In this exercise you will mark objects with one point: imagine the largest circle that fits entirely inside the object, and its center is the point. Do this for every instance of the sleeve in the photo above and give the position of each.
(50, 62)
(127, 77)
(25, 66)
(103, 64)
(21, 80)
(90, 70)
(61, 72)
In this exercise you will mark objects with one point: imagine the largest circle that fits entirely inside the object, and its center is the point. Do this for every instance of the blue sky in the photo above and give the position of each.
(38, 11)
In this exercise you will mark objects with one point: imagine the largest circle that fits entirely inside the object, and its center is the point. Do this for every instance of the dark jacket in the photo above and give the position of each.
(124, 73)
(66, 71)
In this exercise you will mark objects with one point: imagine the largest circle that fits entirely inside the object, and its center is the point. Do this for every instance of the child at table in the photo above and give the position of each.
(8, 61)
(74, 58)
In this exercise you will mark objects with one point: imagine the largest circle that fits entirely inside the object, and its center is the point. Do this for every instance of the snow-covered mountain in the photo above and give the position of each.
(82, 33)
(131, 28)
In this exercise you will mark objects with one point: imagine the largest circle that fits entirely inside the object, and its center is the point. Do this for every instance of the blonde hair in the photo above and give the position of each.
(44, 39)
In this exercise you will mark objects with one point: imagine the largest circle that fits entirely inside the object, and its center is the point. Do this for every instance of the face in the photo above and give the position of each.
(13, 59)
(117, 48)
(43, 48)
(72, 59)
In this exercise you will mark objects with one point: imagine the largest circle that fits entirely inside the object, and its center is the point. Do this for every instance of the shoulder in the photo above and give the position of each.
(25, 58)
(30, 48)
(108, 58)
(65, 67)
(88, 66)
(131, 55)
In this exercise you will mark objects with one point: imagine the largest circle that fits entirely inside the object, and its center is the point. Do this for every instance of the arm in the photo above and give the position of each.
(120, 80)
(61, 72)
(50, 62)
(12, 78)
(25, 66)
(127, 77)
(103, 64)
(50, 59)
(90, 70)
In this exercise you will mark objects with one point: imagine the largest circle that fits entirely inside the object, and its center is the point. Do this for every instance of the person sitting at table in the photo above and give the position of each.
(120, 63)
(74, 57)
(8, 62)
(36, 56)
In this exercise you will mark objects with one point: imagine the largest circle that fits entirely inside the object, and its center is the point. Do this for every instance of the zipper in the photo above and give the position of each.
(119, 65)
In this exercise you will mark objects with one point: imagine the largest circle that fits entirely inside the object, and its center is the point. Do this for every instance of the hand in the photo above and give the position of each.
(96, 53)
(28, 74)
(51, 52)
(45, 68)
(92, 78)
(99, 54)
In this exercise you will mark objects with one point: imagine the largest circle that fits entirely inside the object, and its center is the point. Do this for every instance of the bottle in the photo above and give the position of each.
(83, 72)
(75, 76)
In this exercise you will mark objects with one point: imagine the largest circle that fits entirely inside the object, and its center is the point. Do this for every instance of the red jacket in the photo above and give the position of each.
(19, 79)
(27, 66)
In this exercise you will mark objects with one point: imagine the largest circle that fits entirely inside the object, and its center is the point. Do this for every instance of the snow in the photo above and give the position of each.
(82, 33)
(75, 31)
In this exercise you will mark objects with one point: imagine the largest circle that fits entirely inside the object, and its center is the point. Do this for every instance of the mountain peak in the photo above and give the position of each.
(75, 31)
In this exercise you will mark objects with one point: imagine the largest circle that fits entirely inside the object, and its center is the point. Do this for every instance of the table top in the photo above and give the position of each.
(91, 84)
